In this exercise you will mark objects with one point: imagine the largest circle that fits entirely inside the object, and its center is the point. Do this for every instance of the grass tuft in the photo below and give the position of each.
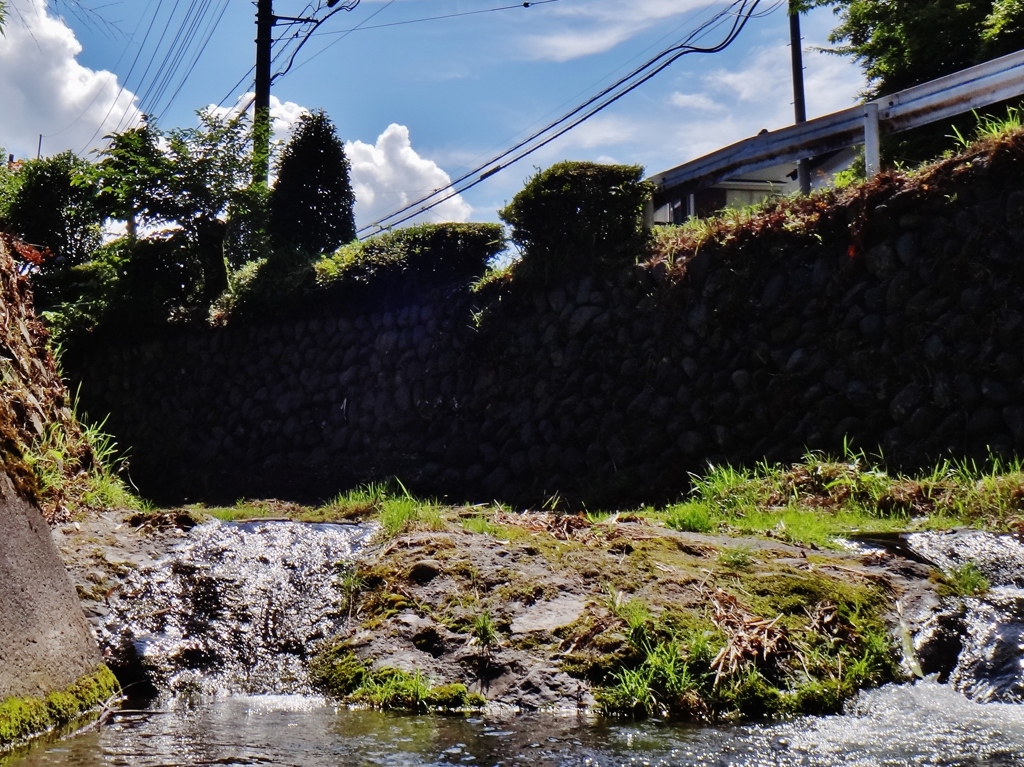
(966, 580)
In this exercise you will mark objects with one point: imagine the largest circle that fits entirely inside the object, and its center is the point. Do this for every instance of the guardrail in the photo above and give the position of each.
(954, 94)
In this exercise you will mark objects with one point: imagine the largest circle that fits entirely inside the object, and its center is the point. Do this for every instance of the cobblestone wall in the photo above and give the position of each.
(892, 320)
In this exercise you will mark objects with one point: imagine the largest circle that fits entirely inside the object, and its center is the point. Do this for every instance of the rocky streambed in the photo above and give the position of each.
(522, 610)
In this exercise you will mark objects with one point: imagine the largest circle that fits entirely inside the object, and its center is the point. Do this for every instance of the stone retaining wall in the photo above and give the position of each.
(890, 319)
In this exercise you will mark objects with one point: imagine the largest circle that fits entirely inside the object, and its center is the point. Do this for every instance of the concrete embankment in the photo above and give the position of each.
(50, 667)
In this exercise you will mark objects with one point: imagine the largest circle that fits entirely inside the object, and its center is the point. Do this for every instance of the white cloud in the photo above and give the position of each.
(283, 115)
(596, 26)
(756, 94)
(44, 90)
(390, 174)
(603, 131)
(763, 83)
(698, 101)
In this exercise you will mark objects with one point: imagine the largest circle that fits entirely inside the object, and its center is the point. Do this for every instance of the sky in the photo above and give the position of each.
(417, 102)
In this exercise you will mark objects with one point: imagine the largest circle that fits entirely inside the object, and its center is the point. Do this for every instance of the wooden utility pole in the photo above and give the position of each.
(799, 103)
(261, 104)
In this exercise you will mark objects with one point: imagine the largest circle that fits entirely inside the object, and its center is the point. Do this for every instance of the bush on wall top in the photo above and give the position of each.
(435, 251)
(579, 215)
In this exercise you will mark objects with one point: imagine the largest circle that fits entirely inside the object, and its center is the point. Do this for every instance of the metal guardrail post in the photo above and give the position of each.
(872, 143)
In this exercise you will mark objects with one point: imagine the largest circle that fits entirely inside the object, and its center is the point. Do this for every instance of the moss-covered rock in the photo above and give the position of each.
(22, 718)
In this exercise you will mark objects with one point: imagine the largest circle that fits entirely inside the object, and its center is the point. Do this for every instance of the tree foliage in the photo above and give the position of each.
(311, 204)
(187, 177)
(52, 203)
(901, 43)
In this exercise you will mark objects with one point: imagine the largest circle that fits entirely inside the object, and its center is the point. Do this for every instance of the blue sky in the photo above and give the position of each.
(419, 102)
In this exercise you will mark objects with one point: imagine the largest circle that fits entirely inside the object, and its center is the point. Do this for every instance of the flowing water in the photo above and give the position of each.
(223, 624)
(923, 724)
(234, 609)
(984, 634)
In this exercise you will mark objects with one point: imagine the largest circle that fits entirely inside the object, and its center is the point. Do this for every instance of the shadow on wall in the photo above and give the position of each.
(887, 316)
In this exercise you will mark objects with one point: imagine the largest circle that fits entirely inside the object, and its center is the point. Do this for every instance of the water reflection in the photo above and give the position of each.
(925, 724)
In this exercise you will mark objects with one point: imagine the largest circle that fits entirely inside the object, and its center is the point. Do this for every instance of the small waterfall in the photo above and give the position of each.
(235, 609)
(977, 642)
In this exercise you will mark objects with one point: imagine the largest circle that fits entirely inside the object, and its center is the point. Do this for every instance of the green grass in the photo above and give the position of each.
(336, 671)
(78, 472)
(736, 558)
(395, 509)
(966, 580)
(359, 503)
(480, 525)
(691, 517)
(834, 642)
(485, 633)
(821, 499)
(990, 127)
(398, 515)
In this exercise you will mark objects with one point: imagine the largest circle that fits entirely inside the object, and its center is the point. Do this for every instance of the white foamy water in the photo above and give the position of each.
(236, 609)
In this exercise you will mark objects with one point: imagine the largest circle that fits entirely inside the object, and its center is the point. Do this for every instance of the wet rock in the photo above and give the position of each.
(548, 616)
(425, 571)
(939, 643)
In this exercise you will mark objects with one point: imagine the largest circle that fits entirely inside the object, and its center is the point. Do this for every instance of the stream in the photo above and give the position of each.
(922, 724)
(220, 628)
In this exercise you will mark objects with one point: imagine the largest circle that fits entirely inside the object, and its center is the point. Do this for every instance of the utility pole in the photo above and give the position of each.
(265, 21)
(261, 104)
(799, 103)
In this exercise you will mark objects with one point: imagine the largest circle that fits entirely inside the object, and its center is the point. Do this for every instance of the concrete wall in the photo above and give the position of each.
(891, 319)
(45, 644)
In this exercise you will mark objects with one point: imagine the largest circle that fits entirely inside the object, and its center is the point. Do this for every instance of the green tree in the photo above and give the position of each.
(187, 177)
(52, 203)
(134, 177)
(312, 199)
(901, 43)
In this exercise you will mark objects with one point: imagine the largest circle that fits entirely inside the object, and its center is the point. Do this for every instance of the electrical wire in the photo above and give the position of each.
(740, 10)
(210, 29)
(688, 18)
(100, 90)
(124, 82)
(434, 18)
(175, 54)
(349, 5)
(345, 33)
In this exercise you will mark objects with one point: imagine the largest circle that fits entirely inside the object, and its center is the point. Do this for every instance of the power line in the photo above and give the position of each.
(175, 53)
(306, 37)
(202, 48)
(102, 87)
(740, 10)
(671, 33)
(124, 82)
(434, 18)
(211, 27)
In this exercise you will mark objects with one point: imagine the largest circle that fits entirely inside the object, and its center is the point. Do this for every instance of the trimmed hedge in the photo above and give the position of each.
(435, 251)
(579, 216)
